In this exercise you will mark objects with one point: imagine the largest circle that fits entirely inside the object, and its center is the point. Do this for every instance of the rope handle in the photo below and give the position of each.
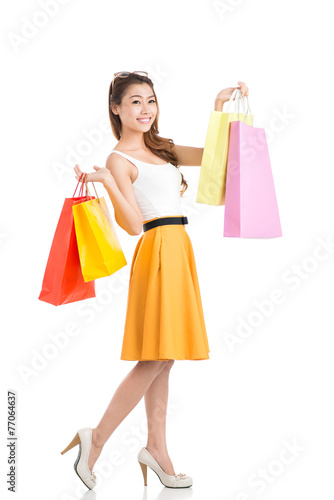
(248, 111)
(233, 102)
(83, 180)
(87, 190)
(81, 187)
(239, 100)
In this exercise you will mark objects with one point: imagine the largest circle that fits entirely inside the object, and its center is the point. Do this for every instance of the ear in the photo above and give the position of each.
(114, 109)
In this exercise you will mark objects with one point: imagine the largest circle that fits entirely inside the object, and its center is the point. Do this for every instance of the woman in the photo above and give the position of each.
(164, 318)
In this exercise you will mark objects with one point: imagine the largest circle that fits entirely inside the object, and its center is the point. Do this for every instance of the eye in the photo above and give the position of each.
(152, 100)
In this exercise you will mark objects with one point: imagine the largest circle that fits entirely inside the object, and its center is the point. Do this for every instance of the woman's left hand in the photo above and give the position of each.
(100, 175)
(225, 94)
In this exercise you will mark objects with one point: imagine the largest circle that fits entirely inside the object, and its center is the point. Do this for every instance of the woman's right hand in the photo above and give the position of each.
(101, 174)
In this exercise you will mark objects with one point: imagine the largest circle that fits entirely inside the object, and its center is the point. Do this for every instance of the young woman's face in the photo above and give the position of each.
(138, 109)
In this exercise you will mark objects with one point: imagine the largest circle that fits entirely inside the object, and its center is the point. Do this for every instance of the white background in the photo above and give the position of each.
(230, 418)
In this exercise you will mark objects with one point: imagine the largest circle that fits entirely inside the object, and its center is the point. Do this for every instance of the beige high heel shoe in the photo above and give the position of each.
(84, 439)
(177, 481)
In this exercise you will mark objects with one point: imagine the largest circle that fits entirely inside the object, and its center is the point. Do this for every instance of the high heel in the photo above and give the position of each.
(74, 442)
(177, 481)
(84, 439)
(144, 471)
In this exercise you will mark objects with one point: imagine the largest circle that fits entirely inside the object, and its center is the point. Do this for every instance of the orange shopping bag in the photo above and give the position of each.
(100, 251)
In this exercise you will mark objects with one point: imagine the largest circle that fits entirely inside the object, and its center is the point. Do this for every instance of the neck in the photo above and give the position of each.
(132, 140)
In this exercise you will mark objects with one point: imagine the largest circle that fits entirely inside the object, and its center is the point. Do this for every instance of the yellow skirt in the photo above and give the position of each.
(164, 317)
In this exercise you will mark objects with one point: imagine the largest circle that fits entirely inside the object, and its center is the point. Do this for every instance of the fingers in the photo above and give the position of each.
(80, 175)
(244, 89)
(232, 89)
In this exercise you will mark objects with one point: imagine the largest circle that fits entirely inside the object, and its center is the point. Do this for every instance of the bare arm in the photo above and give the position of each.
(120, 190)
(189, 156)
(193, 156)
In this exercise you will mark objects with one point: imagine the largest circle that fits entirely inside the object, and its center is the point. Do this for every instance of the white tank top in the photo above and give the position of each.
(156, 189)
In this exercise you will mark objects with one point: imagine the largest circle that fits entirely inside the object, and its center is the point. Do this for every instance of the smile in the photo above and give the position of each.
(144, 120)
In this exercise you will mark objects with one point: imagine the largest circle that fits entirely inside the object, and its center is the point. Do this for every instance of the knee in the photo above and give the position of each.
(169, 364)
(154, 365)
(166, 365)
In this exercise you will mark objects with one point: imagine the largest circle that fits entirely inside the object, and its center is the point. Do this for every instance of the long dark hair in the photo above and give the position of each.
(160, 146)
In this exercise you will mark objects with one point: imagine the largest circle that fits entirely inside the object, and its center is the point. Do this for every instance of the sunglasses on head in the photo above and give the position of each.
(124, 74)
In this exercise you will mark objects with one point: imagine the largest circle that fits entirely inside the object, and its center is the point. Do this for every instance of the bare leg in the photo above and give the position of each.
(156, 398)
(125, 398)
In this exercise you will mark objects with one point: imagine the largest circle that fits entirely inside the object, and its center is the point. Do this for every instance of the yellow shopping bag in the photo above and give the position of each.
(100, 252)
(212, 179)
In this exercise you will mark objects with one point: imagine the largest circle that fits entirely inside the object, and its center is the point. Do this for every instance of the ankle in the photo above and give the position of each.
(97, 438)
(157, 449)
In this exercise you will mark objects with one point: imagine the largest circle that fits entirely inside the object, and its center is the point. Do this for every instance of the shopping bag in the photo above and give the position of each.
(100, 252)
(251, 209)
(63, 281)
(212, 179)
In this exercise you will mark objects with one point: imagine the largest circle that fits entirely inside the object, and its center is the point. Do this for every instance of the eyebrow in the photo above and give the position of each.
(137, 95)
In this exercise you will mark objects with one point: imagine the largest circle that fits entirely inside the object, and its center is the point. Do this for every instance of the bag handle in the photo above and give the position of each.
(82, 176)
(247, 111)
(87, 190)
(83, 180)
(236, 93)
(248, 114)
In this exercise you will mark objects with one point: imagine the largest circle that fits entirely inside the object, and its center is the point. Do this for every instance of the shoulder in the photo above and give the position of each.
(118, 166)
(115, 161)
(120, 169)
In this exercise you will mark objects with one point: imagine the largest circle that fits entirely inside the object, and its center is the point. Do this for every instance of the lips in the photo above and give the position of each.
(144, 120)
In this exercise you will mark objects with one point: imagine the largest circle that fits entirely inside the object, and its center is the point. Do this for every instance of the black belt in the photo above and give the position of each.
(163, 221)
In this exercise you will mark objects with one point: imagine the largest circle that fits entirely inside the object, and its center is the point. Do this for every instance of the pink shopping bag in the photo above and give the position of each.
(251, 209)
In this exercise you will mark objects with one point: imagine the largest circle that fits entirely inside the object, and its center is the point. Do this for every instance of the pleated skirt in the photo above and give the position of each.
(164, 315)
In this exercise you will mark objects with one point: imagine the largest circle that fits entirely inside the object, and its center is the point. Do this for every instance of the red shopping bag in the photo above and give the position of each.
(63, 281)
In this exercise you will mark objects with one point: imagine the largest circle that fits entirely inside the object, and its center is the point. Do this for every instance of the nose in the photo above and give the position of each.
(144, 108)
